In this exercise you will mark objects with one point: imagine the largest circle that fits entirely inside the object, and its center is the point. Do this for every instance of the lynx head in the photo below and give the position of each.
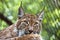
(29, 23)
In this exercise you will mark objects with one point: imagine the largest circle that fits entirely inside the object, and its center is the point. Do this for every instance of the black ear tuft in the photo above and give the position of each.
(20, 11)
(40, 15)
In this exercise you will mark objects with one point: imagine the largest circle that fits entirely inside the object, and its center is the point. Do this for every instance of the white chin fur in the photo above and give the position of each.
(21, 32)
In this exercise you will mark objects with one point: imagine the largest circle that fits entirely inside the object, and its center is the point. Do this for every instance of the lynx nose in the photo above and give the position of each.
(30, 31)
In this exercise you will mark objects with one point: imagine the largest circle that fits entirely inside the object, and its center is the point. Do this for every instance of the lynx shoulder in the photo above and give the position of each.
(9, 32)
(30, 37)
(26, 37)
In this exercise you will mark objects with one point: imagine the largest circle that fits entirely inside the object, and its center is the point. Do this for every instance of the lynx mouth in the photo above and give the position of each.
(30, 32)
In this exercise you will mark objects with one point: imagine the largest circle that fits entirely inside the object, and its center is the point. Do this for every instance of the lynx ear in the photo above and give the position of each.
(40, 15)
(20, 11)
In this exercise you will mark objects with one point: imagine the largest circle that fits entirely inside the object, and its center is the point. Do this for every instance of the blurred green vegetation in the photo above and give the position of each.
(51, 20)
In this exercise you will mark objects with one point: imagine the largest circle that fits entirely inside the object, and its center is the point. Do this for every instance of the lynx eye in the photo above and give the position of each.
(22, 25)
(36, 23)
(36, 26)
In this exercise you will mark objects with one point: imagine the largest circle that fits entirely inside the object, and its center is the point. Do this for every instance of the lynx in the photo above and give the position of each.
(26, 24)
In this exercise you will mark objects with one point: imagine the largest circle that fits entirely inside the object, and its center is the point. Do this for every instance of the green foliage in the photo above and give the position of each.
(51, 21)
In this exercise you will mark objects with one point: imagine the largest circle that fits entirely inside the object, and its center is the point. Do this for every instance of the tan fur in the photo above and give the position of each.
(30, 37)
(8, 32)
(26, 37)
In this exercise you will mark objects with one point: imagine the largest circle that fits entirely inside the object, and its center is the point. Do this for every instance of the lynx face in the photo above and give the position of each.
(28, 23)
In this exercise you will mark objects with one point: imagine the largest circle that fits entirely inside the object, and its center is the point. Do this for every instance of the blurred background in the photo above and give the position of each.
(51, 19)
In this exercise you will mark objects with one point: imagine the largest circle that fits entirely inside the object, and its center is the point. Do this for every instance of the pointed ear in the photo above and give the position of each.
(20, 11)
(40, 15)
